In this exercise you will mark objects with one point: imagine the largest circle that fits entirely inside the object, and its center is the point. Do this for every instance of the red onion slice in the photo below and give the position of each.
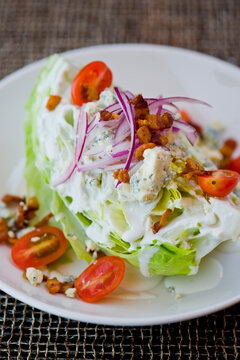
(129, 113)
(187, 129)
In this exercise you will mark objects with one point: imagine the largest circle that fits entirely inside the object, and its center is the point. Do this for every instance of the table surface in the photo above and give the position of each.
(33, 29)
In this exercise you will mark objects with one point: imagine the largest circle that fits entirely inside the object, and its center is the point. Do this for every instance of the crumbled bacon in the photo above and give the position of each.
(12, 199)
(19, 223)
(193, 169)
(32, 203)
(227, 150)
(3, 230)
(53, 285)
(88, 93)
(140, 150)
(106, 115)
(158, 225)
(53, 102)
(44, 221)
(141, 107)
(122, 175)
(144, 135)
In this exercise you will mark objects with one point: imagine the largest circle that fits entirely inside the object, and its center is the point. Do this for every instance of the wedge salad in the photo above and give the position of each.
(126, 178)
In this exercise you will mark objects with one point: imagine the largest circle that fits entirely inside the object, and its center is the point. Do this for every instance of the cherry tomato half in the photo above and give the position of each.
(39, 247)
(219, 182)
(185, 116)
(235, 164)
(90, 82)
(100, 278)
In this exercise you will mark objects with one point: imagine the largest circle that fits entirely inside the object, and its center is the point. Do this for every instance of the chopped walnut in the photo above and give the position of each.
(53, 102)
(144, 135)
(158, 225)
(140, 150)
(122, 175)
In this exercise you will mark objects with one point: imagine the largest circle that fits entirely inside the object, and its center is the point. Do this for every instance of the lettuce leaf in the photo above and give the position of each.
(37, 182)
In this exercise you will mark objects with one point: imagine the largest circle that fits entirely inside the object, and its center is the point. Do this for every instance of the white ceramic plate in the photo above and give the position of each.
(152, 70)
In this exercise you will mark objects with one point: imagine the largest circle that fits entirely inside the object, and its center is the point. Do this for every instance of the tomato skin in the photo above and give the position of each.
(100, 278)
(26, 253)
(219, 183)
(185, 116)
(235, 164)
(95, 74)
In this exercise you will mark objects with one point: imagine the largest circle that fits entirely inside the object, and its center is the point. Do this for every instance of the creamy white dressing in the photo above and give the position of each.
(134, 281)
(144, 259)
(91, 191)
(208, 277)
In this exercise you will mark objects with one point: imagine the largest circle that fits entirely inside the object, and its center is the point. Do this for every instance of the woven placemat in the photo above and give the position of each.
(33, 29)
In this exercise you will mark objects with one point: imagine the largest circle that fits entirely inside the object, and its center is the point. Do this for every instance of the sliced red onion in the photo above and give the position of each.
(114, 108)
(154, 105)
(188, 130)
(129, 113)
(100, 164)
(175, 130)
(80, 141)
(66, 175)
(129, 94)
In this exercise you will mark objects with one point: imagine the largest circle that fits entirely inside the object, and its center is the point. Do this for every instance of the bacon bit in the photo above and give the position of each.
(192, 165)
(88, 93)
(53, 102)
(140, 150)
(64, 286)
(144, 135)
(193, 169)
(122, 175)
(3, 230)
(227, 150)
(167, 120)
(44, 221)
(53, 285)
(12, 199)
(142, 122)
(32, 203)
(141, 107)
(163, 140)
(19, 223)
(158, 225)
(106, 115)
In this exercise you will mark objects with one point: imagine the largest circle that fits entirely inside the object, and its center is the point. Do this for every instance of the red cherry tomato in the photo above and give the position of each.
(219, 182)
(185, 116)
(235, 164)
(90, 82)
(100, 278)
(48, 245)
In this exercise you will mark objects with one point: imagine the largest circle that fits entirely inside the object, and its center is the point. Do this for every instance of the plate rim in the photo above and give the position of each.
(66, 313)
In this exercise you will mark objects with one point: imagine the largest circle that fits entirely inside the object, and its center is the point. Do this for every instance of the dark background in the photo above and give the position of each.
(33, 29)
